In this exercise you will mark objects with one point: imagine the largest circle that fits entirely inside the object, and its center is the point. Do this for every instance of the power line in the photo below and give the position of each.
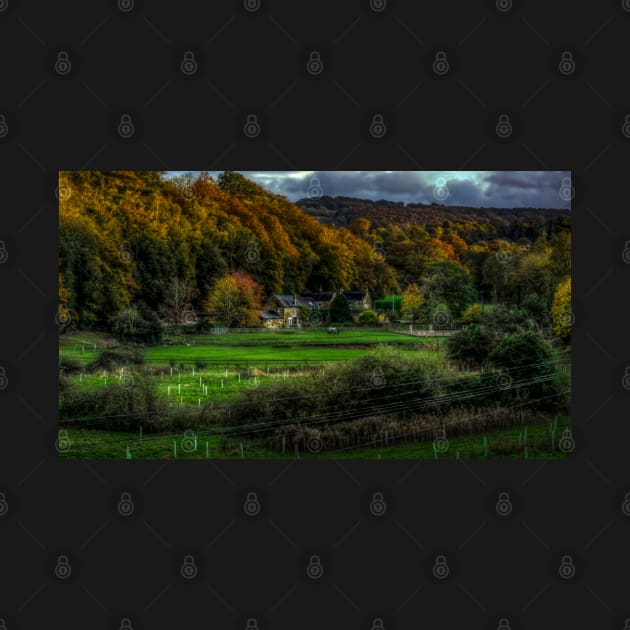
(454, 378)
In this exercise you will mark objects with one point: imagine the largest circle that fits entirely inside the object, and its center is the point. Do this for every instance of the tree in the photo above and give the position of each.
(561, 314)
(235, 299)
(535, 306)
(339, 311)
(502, 320)
(137, 325)
(64, 316)
(412, 301)
(448, 285)
(473, 314)
(237, 184)
(178, 297)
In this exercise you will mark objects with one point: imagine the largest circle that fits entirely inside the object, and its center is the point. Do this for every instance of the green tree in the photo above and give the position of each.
(449, 285)
(502, 320)
(137, 325)
(339, 311)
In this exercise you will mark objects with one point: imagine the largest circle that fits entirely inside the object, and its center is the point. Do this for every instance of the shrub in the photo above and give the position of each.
(368, 317)
(384, 378)
(377, 431)
(470, 346)
(472, 315)
(526, 356)
(534, 305)
(68, 365)
(115, 407)
(117, 357)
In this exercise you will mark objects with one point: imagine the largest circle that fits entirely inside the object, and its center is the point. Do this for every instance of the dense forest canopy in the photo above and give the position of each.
(141, 240)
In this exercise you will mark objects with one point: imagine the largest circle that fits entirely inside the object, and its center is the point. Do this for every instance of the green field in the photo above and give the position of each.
(94, 444)
(254, 347)
(232, 361)
(197, 372)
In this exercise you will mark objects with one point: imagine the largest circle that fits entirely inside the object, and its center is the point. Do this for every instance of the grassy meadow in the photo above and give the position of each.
(201, 396)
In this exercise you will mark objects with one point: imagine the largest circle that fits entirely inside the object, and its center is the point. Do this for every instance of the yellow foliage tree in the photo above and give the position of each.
(473, 314)
(412, 301)
(561, 314)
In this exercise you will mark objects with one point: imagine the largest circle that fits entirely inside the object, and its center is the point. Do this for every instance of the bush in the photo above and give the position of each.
(534, 305)
(470, 346)
(117, 357)
(114, 407)
(384, 378)
(388, 429)
(391, 303)
(368, 317)
(472, 315)
(69, 366)
(526, 356)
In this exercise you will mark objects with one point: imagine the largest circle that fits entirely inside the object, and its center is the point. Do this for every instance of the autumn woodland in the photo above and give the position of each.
(206, 317)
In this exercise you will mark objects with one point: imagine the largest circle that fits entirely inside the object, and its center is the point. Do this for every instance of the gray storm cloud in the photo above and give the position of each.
(498, 189)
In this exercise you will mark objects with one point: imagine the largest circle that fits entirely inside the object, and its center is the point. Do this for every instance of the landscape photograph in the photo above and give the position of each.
(378, 315)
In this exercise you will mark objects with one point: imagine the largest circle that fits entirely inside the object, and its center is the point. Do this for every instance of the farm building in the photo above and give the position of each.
(270, 319)
(288, 309)
(358, 301)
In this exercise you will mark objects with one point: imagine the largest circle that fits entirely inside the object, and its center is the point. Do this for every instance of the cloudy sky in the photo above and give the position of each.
(498, 189)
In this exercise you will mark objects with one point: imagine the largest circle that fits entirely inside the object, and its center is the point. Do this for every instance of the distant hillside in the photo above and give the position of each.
(342, 210)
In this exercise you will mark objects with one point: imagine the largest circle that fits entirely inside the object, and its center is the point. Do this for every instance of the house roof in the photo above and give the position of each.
(327, 296)
(308, 301)
(318, 296)
(355, 296)
(288, 300)
(269, 315)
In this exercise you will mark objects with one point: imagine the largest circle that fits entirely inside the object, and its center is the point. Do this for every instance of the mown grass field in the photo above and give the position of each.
(94, 444)
(277, 347)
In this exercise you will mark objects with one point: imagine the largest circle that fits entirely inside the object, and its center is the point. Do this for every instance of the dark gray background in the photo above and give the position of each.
(374, 62)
